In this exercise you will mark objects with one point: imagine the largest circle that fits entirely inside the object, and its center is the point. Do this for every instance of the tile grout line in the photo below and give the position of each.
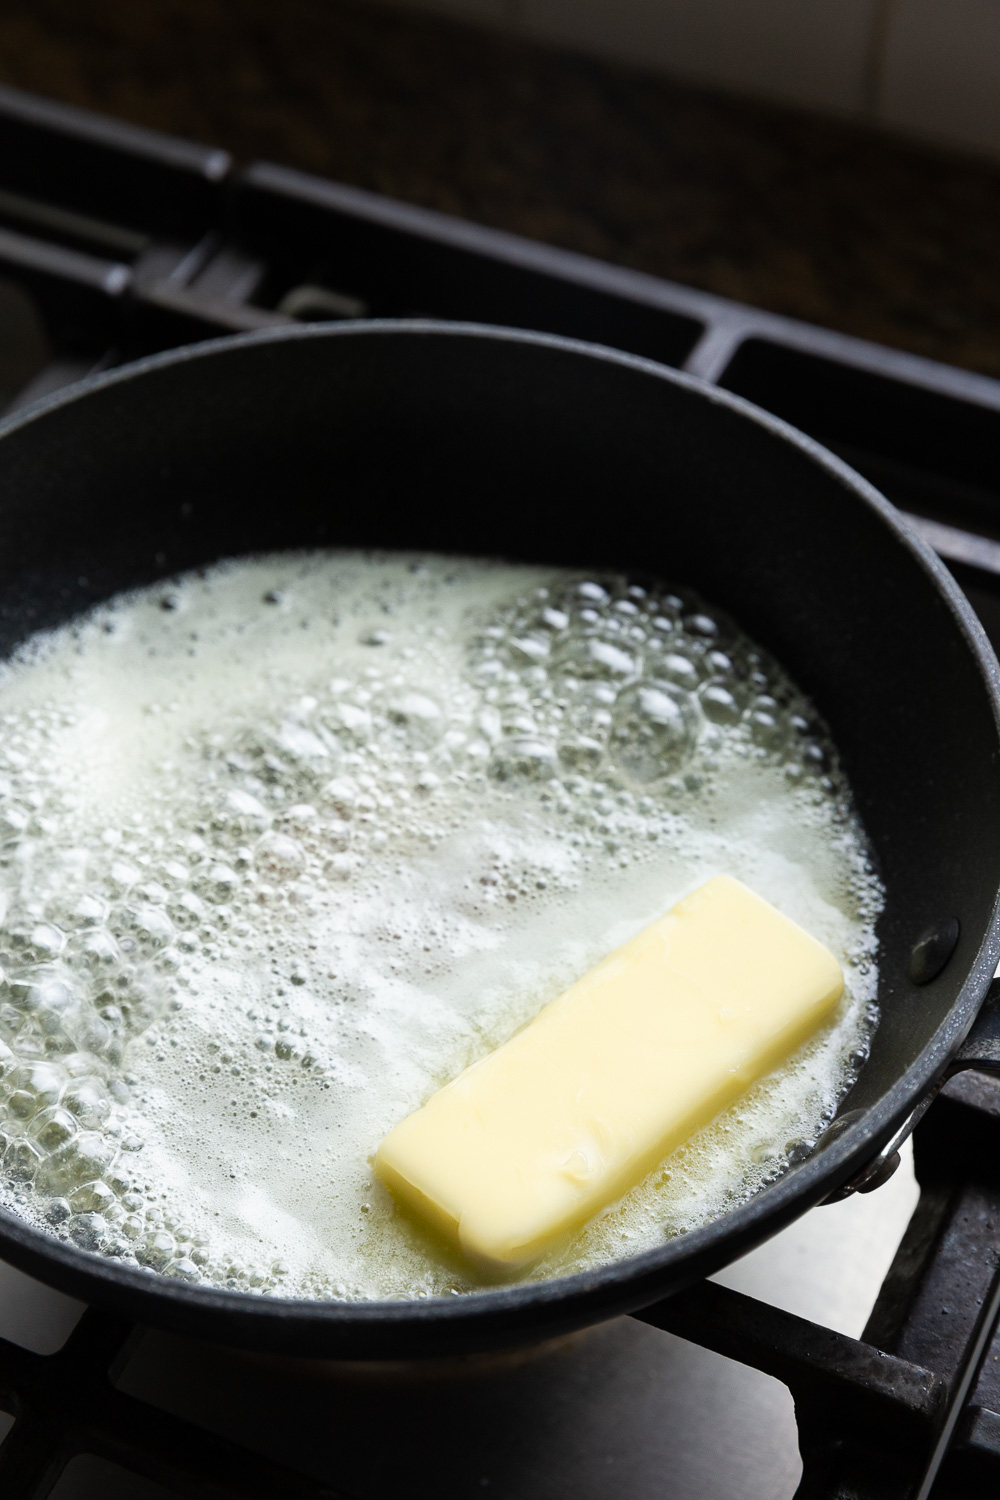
(873, 76)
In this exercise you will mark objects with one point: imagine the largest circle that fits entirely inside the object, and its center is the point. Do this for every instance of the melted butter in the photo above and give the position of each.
(289, 843)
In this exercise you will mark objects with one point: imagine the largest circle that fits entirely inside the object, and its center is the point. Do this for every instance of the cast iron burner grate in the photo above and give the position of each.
(115, 242)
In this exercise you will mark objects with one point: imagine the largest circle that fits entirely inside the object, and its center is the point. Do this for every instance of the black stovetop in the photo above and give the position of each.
(115, 242)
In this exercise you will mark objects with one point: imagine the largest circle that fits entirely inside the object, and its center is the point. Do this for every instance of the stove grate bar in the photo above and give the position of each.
(891, 1408)
(796, 1351)
(876, 1417)
(66, 1403)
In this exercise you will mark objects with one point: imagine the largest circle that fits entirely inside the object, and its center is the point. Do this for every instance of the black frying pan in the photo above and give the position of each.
(478, 440)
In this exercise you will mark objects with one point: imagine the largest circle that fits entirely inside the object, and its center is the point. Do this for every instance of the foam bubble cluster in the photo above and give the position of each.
(287, 843)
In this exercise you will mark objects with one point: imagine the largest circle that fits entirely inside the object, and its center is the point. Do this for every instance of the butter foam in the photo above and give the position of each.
(287, 843)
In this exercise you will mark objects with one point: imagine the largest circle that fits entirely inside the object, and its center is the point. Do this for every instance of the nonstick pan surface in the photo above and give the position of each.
(479, 440)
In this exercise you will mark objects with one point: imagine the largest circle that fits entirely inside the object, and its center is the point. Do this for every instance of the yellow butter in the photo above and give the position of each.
(647, 1048)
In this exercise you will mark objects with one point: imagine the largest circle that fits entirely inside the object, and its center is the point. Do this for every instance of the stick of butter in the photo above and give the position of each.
(532, 1141)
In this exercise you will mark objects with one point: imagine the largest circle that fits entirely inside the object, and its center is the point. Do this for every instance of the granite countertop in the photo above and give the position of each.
(807, 216)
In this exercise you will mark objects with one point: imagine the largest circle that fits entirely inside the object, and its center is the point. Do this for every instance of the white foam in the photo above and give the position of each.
(290, 842)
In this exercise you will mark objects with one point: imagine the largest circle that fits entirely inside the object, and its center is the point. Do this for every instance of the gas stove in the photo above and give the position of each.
(856, 1354)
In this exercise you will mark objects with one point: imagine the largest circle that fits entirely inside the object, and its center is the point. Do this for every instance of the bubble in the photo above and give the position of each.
(524, 756)
(279, 856)
(82, 1159)
(40, 1083)
(352, 719)
(679, 670)
(581, 752)
(302, 816)
(88, 1100)
(219, 881)
(187, 910)
(13, 820)
(766, 727)
(590, 656)
(160, 1248)
(91, 1197)
(528, 648)
(21, 1161)
(184, 1268)
(304, 745)
(656, 730)
(150, 925)
(52, 1128)
(90, 1231)
(814, 758)
(47, 940)
(48, 994)
(342, 793)
(79, 1064)
(718, 704)
(242, 812)
(122, 876)
(98, 1036)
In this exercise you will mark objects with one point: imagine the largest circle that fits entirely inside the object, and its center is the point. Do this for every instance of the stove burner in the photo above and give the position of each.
(116, 242)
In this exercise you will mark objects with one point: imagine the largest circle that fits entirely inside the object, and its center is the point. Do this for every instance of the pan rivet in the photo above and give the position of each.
(933, 949)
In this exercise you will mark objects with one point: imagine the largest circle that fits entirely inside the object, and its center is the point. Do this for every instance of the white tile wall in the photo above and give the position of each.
(924, 67)
(941, 71)
(806, 51)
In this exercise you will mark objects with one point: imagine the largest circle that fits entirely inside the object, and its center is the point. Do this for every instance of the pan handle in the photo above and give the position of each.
(981, 1049)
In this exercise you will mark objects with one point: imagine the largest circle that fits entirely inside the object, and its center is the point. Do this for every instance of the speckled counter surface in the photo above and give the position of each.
(805, 216)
